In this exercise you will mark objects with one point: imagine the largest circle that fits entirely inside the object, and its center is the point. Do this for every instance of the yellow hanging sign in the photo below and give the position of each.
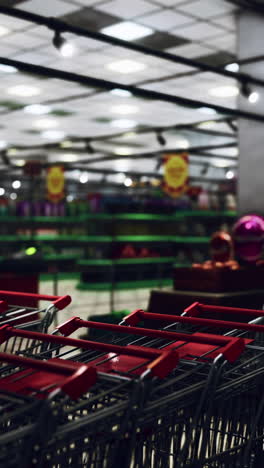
(176, 174)
(55, 183)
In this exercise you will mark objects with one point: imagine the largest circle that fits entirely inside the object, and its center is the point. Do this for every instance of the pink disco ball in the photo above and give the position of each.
(248, 235)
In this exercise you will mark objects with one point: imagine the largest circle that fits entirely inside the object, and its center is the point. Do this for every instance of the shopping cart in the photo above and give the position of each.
(172, 414)
(92, 431)
(29, 391)
(230, 432)
(31, 318)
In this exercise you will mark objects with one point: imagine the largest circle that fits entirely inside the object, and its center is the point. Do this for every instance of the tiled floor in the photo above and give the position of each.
(87, 303)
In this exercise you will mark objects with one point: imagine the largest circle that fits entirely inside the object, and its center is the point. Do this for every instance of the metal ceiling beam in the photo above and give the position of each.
(192, 127)
(61, 26)
(196, 150)
(139, 92)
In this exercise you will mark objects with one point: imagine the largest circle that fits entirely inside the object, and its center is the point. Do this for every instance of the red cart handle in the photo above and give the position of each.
(3, 307)
(231, 347)
(78, 377)
(164, 361)
(197, 308)
(60, 302)
(139, 315)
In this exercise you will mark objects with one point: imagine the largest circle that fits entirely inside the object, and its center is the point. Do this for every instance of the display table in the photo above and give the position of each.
(169, 301)
(21, 275)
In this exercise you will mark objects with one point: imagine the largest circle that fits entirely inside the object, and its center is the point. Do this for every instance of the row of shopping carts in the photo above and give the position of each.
(158, 390)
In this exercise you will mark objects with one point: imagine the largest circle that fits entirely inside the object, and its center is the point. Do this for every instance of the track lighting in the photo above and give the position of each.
(158, 164)
(160, 138)
(89, 148)
(229, 174)
(247, 92)
(5, 158)
(204, 170)
(65, 48)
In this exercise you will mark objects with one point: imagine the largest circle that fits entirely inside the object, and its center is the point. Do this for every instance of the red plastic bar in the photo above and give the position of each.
(231, 348)
(141, 315)
(164, 361)
(3, 306)
(60, 302)
(196, 308)
(79, 378)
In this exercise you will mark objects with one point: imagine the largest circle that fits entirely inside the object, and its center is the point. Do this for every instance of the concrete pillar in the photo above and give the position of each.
(251, 134)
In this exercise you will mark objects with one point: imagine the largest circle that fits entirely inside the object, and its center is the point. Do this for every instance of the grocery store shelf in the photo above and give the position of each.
(57, 257)
(174, 239)
(59, 276)
(126, 261)
(116, 217)
(174, 217)
(102, 239)
(56, 238)
(124, 285)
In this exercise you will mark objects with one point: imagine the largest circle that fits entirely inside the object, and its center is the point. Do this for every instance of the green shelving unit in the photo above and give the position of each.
(126, 261)
(125, 285)
(115, 217)
(79, 232)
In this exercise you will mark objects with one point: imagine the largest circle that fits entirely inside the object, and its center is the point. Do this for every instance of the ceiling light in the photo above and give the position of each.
(120, 178)
(183, 143)
(122, 165)
(16, 184)
(207, 110)
(7, 69)
(233, 67)
(129, 135)
(121, 92)
(37, 109)
(66, 144)
(230, 175)
(13, 196)
(20, 162)
(3, 31)
(222, 163)
(126, 66)
(208, 124)
(247, 92)
(128, 182)
(224, 91)
(2, 191)
(253, 97)
(45, 123)
(127, 30)
(53, 134)
(65, 48)
(123, 151)
(231, 151)
(123, 123)
(124, 109)
(2, 144)
(84, 178)
(69, 157)
(24, 91)
(11, 151)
